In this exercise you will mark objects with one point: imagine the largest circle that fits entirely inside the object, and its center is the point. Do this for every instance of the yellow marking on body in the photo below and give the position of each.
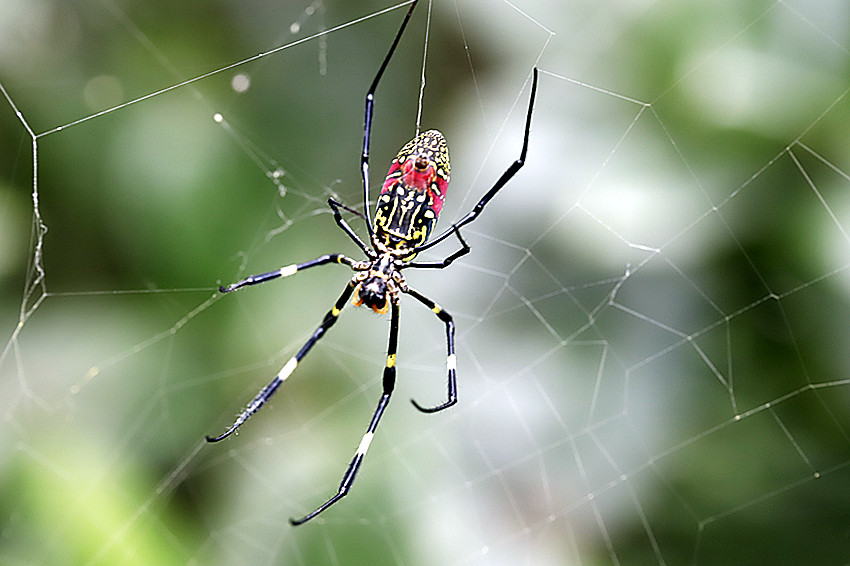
(437, 309)
(335, 311)
(383, 309)
(288, 270)
(391, 360)
(288, 368)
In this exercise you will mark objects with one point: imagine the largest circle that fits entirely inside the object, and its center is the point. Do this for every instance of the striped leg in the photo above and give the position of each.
(270, 389)
(389, 384)
(451, 359)
(286, 271)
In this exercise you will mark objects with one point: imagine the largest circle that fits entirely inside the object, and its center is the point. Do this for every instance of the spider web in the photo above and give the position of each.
(652, 324)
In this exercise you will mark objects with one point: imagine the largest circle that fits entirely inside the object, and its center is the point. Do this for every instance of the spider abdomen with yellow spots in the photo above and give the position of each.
(413, 193)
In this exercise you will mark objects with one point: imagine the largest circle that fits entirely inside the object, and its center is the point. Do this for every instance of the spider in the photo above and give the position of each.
(407, 209)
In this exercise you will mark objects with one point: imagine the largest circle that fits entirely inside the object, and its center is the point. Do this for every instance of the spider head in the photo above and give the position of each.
(373, 292)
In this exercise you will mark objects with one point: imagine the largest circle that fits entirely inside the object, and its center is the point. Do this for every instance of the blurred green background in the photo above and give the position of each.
(652, 325)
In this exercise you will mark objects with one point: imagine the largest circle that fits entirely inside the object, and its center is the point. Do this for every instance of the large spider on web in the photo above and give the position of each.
(410, 202)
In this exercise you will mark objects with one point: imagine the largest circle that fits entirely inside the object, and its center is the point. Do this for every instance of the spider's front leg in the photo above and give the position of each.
(388, 386)
(266, 392)
(286, 271)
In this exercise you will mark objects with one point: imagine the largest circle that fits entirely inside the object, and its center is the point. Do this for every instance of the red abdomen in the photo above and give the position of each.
(413, 193)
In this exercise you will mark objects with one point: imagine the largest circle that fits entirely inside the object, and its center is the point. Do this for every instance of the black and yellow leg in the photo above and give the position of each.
(286, 271)
(451, 359)
(263, 396)
(388, 385)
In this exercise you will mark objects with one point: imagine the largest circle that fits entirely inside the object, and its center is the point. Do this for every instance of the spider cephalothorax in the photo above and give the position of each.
(410, 202)
(378, 284)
